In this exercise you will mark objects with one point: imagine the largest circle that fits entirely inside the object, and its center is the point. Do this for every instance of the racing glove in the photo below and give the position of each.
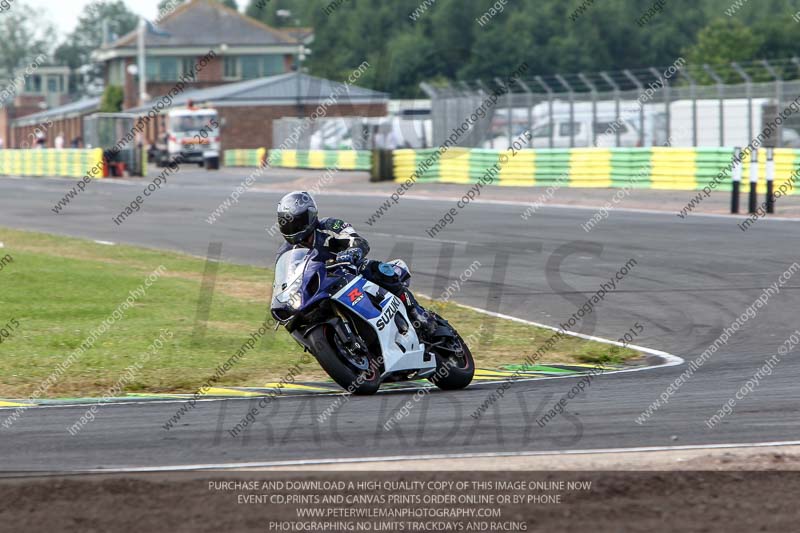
(351, 255)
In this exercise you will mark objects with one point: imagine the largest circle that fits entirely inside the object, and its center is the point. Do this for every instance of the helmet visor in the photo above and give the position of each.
(295, 225)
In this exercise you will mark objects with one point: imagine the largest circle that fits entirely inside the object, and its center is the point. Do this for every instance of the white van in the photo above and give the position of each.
(580, 129)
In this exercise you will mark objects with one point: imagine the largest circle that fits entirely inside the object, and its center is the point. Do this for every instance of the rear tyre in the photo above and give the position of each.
(455, 366)
(360, 381)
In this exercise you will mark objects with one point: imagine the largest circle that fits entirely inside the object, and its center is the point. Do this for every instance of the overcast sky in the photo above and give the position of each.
(64, 13)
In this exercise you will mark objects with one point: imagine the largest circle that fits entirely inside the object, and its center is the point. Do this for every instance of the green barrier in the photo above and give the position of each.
(71, 163)
(321, 159)
(652, 168)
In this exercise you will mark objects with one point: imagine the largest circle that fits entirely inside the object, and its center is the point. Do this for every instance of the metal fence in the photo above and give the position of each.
(681, 105)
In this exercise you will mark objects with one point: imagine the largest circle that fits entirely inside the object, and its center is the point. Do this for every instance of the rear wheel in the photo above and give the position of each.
(455, 366)
(356, 374)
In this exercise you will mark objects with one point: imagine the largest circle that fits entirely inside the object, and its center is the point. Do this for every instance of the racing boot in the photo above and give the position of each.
(423, 321)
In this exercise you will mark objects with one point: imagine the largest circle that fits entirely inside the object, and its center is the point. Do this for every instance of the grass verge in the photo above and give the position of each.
(55, 290)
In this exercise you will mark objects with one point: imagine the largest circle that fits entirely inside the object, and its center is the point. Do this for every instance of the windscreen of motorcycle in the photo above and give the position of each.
(288, 275)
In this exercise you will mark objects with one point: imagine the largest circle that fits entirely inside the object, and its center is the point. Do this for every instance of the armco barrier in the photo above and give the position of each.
(245, 158)
(72, 163)
(341, 159)
(652, 168)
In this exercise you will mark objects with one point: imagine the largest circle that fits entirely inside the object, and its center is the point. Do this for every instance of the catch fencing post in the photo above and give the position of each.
(753, 181)
(737, 180)
(770, 179)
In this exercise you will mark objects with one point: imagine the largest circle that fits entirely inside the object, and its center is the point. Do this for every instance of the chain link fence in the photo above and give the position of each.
(681, 106)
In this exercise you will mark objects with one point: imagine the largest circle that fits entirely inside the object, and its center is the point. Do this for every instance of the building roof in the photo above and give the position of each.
(74, 109)
(275, 90)
(206, 23)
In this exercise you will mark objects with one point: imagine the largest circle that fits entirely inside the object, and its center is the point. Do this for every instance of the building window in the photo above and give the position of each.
(252, 66)
(272, 65)
(115, 73)
(231, 68)
(33, 84)
(188, 65)
(162, 68)
(52, 84)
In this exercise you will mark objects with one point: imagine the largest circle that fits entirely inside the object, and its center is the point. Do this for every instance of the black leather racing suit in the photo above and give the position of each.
(333, 235)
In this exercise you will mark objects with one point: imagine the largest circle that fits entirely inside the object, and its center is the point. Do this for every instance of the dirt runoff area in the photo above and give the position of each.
(734, 490)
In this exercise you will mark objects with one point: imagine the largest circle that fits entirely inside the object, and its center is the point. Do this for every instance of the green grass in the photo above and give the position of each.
(59, 289)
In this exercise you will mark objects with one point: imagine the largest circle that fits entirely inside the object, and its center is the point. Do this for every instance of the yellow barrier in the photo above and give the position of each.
(71, 163)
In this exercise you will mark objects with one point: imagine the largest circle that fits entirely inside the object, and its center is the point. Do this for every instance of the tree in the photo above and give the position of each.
(24, 38)
(267, 11)
(76, 50)
(722, 42)
(447, 41)
(111, 101)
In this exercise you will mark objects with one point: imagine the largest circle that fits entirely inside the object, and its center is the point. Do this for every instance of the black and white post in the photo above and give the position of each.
(770, 168)
(753, 181)
(736, 179)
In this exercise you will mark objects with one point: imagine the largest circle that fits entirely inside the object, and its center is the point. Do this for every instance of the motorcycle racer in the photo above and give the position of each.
(336, 240)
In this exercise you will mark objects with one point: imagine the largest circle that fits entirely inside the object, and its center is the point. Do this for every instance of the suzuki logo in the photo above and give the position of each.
(355, 296)
(388, 314)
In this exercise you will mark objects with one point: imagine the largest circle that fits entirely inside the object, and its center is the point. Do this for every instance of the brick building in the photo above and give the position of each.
(244, 47)
(247, 109)
(38, 87)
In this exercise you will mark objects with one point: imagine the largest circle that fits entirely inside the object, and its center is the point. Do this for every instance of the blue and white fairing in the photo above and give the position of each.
(401, 351)
(296, 270)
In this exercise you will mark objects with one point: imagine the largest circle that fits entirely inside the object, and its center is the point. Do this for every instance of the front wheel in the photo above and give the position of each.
(360, 375)
(455, 366)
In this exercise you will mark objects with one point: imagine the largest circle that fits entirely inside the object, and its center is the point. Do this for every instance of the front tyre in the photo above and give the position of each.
(455, 366)
(356, 377)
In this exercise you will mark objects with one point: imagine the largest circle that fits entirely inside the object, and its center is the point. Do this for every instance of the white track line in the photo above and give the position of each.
(669, 359)
(435, 457)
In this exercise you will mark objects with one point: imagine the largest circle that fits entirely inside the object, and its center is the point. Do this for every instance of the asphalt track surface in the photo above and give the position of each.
(693, 278)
